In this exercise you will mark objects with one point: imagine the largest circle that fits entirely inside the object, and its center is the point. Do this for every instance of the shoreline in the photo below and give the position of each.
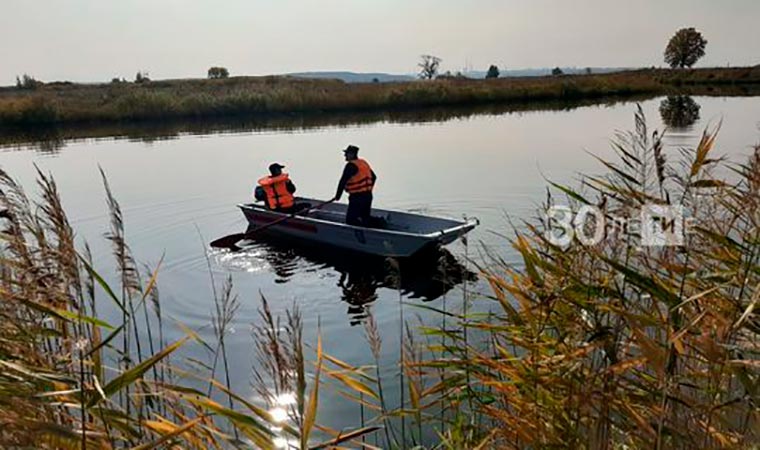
(50, 136)
(62, 103)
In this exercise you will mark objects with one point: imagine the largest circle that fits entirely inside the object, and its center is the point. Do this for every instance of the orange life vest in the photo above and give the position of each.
(362, 181)
(276, 190)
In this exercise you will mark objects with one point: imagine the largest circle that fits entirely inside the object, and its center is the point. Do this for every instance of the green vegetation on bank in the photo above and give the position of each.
(62, 102)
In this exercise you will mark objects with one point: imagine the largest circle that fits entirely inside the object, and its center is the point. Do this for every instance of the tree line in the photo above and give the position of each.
(684, 49)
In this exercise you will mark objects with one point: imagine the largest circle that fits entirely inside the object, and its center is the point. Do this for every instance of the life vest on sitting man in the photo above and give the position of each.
(362, 181)
(276, 190)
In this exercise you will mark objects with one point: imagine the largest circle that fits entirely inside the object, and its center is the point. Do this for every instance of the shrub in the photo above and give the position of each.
(27, 82)
(31, 110)
(142, 77)
(451, 76)
(218, 73)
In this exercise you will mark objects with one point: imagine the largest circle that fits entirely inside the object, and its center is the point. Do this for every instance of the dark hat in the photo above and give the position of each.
(351, 149)
(274, 167)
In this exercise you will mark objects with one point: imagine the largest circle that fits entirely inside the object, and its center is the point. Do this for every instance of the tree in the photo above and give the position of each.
(451, 76)
(493, 72)
(429, 66)
(142, 77)
(685, 48)
(218, 72)
(557, 71)
(27, 82)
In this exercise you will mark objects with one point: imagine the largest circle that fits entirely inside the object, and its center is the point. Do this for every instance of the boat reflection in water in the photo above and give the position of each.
(426, 276)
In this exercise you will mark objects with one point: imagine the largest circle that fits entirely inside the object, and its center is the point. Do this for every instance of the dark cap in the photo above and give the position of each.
(351, 149)
(274, 167)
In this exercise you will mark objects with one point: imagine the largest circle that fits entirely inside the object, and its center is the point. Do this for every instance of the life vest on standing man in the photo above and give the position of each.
(278, 189)
(362, 181)
(357, 179)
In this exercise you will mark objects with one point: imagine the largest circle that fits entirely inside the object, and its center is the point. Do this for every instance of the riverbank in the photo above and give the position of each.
(68, 103)
(49, 138)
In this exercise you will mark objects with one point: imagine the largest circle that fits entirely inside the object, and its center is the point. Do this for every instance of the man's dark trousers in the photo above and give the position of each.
(359, 208)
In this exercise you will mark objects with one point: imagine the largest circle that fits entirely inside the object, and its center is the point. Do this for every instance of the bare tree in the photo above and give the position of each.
(429, 66)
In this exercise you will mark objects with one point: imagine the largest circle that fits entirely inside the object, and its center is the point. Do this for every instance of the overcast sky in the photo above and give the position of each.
(95, 40)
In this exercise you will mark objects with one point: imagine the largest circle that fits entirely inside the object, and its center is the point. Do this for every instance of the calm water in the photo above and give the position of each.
(180, 193)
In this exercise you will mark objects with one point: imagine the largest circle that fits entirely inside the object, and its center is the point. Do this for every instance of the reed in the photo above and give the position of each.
(59, 387)
(616, 343)
(280, 378)
(607, 344)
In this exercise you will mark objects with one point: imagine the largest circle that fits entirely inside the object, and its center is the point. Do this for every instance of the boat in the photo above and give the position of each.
(403, 234)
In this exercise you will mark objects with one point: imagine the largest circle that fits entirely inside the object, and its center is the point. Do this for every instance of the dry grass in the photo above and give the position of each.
(70, 380)
(611, 345)
(619, 345)
(240, 96)
(54, 137)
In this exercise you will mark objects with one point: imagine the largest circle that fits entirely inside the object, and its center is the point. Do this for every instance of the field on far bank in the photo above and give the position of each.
(57, 103)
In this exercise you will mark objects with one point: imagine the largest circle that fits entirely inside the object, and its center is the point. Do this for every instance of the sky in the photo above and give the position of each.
(96, 40)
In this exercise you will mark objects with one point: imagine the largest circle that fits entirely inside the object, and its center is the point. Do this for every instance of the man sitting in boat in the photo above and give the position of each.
(358, 179)
(276, 190)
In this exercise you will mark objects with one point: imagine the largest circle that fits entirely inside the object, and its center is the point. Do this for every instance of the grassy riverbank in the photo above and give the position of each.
(61, 103)
(51, 138)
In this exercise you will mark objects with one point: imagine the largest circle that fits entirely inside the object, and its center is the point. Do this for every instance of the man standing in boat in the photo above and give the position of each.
(276, 190)
(358, 179)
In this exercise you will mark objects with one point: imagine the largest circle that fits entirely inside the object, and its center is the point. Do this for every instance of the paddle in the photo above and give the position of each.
(229, 241)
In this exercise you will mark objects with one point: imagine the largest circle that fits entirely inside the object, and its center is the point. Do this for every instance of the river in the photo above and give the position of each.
(179, 192)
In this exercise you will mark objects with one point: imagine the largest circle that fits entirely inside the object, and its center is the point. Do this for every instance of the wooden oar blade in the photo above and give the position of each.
(228, 241)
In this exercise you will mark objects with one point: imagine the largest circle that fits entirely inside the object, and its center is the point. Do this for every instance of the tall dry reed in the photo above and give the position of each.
(616, 343)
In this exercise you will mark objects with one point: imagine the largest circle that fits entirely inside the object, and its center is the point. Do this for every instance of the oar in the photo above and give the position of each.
(232, 239)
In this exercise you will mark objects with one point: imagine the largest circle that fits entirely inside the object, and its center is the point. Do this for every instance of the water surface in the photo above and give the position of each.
(178, 194)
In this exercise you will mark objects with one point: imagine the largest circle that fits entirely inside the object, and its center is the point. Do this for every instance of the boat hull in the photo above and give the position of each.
(406, 234)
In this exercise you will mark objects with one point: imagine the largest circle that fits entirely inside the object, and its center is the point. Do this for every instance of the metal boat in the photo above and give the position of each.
(403, 234)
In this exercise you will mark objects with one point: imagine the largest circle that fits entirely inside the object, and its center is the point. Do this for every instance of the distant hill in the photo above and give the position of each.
(369, 77)
(354, 77)
(541, 72)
